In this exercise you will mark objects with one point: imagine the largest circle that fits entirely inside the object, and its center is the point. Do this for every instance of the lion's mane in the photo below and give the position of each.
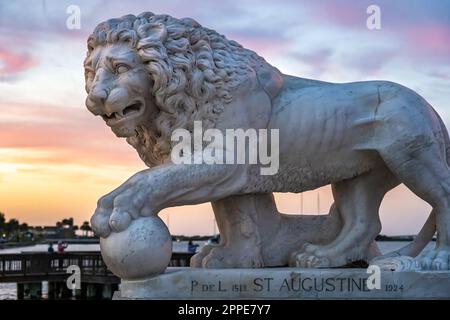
(194, 72)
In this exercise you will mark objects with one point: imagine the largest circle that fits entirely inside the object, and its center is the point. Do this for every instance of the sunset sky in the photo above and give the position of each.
(56, 159)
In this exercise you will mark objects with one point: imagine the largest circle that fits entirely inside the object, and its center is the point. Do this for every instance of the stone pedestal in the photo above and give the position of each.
(286, 283)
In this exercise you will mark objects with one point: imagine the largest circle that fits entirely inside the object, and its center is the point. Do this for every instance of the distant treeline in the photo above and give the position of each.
(383, 237)
(193, 238)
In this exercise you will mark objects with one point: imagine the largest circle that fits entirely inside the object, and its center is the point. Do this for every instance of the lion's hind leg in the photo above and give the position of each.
(358, 201)
(422, 166)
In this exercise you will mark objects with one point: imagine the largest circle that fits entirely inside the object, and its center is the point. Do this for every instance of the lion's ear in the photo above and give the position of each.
(153, 32)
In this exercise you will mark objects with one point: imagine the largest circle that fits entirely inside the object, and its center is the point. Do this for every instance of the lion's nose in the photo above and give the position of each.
(98, 96)
(96, 100)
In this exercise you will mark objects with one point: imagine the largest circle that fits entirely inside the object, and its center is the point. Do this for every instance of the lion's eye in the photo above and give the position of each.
(121, 68)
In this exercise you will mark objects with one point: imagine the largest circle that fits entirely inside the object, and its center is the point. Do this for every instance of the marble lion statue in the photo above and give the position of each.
(149, 74)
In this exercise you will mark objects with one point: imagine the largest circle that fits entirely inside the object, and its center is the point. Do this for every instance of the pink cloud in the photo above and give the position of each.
(67, 135)
(431, 38)
(261, 45)
(318, 59)
(12, 63)
(343, 13)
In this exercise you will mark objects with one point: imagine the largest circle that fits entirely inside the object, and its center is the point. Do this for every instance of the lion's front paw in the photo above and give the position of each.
(100, 223)
(119, 220)
(116, 210)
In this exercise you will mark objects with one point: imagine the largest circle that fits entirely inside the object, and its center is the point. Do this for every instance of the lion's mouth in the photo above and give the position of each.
(132, 110)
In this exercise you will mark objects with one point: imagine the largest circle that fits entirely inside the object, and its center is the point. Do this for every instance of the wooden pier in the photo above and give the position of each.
(30, 269)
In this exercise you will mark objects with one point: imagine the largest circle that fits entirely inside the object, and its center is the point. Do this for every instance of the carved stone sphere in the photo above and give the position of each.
(141, 251)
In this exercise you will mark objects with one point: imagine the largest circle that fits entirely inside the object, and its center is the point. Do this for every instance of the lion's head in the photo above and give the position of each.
(150, 74)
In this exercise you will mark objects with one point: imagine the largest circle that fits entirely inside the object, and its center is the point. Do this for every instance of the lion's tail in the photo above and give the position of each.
(429, 228)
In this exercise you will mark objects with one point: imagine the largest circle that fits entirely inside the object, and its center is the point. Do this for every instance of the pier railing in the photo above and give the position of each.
(35, 266)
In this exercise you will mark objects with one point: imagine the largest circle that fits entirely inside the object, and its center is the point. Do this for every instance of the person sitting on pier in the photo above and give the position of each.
(62, 246)
(50, 248)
